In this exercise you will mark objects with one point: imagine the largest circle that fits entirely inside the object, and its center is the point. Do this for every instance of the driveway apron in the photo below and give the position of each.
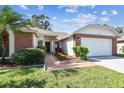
(111, 62)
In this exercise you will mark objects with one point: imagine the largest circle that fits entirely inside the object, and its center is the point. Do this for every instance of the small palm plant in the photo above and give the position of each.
(8, 19)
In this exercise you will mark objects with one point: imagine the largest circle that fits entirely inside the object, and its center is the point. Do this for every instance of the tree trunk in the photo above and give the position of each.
(5, 44)
(3, 56)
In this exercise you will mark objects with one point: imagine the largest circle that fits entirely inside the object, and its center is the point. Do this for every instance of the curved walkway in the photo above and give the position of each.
(54, 64)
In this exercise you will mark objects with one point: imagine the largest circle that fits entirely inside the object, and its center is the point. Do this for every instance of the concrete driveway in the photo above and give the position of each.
(111, 62)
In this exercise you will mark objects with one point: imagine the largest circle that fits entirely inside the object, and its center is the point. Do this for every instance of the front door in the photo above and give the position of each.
(47, 44)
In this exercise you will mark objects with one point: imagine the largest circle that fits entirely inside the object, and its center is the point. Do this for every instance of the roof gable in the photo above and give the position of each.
(97, 30)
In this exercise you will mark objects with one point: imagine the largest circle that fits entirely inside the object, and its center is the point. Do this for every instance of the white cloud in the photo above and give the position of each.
(114, 12)
(71, 10)
(61, 6)
(23, 7)
(74, 8)
(104, 13)
(87, 16)
(81, 19)
(68, 6)
(89, 6)
(92, 6)
(40, 7)
(104, 20)
(109, 13)
(54, 18)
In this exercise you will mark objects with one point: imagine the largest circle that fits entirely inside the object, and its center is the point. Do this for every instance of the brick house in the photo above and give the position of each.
(100, 40)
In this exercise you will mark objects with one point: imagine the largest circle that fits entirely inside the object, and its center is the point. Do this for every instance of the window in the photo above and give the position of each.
(40, 43)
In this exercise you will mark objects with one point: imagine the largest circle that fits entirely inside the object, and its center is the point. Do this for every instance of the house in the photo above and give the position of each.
(30, 38)
(120, 44)
(100, 40)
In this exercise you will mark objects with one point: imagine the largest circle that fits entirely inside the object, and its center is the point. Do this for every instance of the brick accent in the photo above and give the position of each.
(77, 38)
(114, 46)
(23, 40)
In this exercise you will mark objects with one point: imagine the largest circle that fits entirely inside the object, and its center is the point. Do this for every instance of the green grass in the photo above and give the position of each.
(75, 78)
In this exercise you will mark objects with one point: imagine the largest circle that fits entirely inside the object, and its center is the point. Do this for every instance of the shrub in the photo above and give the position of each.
(42, 47)
(29, 56)
(81, 51)
(58, 50)
(122, 49)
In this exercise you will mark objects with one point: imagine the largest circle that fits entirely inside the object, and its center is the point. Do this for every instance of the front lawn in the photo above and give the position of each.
(77, 78)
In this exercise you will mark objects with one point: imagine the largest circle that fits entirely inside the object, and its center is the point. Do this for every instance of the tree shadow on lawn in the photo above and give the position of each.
(27, 83)
(17, 71)
(33, 83)
(66, 72)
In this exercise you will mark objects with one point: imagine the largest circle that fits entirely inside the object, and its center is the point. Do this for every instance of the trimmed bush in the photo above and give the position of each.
(29, 56)
(81, 51)
(122, 49)
(42, 47)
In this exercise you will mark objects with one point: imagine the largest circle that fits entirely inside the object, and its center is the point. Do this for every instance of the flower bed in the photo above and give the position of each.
(67, 58)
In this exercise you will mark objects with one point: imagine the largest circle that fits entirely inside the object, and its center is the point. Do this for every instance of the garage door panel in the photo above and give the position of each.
(98, 46)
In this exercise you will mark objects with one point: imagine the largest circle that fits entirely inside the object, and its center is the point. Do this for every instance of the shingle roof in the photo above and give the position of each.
(92, 25)
(62, 35)
(40, 32)
(99, 26)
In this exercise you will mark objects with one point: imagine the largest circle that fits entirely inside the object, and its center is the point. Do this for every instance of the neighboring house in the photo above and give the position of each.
(120, 44)
(100, 40)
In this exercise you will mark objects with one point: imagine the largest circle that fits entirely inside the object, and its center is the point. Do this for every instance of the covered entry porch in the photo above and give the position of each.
(49, 42)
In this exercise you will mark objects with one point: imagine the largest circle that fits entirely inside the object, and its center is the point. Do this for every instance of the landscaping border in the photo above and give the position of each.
(22, 67)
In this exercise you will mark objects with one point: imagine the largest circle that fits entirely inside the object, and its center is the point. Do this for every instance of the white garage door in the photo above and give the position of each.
(98, 46)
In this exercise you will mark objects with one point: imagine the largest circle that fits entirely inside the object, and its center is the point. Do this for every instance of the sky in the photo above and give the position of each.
(70, 18)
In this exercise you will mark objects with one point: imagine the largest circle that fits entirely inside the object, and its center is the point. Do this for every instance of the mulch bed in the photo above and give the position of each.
(68, 58)
(7, 63)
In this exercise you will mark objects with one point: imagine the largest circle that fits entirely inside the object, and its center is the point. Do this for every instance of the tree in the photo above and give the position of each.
(8, 19)
(40, 21)
(119, 30)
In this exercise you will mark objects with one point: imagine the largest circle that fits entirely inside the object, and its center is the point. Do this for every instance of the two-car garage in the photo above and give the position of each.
(98, 46)
(99, 39)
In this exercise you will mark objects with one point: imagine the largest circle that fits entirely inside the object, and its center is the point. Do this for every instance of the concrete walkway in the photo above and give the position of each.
(54, 64)
(111, 62)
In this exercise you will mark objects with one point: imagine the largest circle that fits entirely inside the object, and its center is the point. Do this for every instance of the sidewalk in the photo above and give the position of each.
(54, 64)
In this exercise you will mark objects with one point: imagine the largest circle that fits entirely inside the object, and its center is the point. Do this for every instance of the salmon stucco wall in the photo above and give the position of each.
(23, 40)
